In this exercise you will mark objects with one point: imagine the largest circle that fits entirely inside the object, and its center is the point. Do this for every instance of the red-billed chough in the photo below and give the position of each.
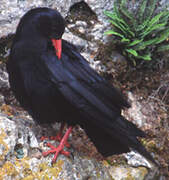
(54, 83)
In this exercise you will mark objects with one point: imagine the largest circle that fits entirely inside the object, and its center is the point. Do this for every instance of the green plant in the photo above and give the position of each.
(142, 32)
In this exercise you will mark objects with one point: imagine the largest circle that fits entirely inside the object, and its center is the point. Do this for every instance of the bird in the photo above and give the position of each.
(55, 83)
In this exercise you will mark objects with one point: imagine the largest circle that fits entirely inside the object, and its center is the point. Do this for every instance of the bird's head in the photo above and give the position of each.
(43, 22)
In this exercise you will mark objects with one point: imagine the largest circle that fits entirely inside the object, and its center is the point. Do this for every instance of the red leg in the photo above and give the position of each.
(58, 137)
(59, 149)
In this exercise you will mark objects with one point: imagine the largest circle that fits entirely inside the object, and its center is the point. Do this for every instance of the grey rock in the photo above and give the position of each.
(80, 43)
(99, 7)
(164, 3)
(33, 140)
(22, 135)
(135, 112)
(81, 23)
(135, 159)
(128, 173)
(18, 135)
(81, 30)
(3, 79)
(12, 11)
(85, 48)
(8, 137)
(2, 99)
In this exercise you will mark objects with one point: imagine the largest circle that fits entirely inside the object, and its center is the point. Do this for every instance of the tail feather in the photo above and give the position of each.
(127, 127)
(105, 143)
(136, 145)
(123, 136)
(132, 132)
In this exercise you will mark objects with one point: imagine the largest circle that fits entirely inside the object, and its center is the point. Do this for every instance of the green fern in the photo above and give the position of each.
(139, 32)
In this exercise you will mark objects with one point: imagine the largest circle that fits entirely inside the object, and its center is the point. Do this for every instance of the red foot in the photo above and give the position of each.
(56, 151)
(58, 137)
(59, 149)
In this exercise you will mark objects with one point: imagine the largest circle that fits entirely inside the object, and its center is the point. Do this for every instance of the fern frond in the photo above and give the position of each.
(150, 9)
(124, 11)
(146, 57)
(163, 48)
(111, 32)
(144, 44)
(132, 51)
(135, 42)
(156, 18)
(114, 17)
(118, 26)
(141, 10)
(163, 36)
(151, 29)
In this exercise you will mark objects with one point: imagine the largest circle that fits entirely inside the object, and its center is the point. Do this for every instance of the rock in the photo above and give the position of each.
(81, 23)
(135, 112)
(12, 11)
(8, 134)
(1, 99)
(3, 78)
(128, 173)
(18, 141)
(20, 156)
(99, 7)
(164, 3)
(63, 169)
(80, 43)
(135, 159)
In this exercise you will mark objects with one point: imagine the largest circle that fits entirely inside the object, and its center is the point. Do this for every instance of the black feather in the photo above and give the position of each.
(67, 90)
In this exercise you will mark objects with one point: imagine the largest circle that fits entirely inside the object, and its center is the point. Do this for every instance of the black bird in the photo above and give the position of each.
(53, 82)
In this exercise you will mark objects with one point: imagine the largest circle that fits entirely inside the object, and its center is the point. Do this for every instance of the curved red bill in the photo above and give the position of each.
(57, 43)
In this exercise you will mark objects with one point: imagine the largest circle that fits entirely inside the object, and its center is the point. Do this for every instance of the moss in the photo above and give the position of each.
(24, 168)
(129, 175)
(143, 171)
(8, 169)
(29, 178)
(44, 171)
(6, 109)
(12, 169)
(106, 163)
(2, 136)
(150, 145)
(115, 160)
